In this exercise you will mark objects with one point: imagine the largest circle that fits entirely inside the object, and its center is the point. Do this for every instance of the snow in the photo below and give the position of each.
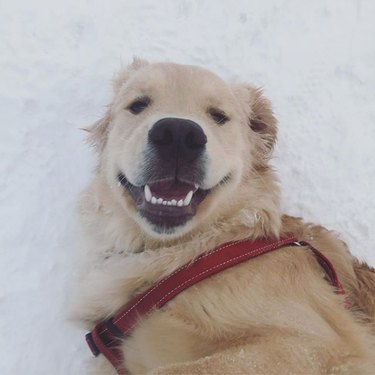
(315, 60)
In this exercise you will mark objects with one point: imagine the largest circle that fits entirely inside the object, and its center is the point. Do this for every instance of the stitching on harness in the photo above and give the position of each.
(256, 251)
(168, 277)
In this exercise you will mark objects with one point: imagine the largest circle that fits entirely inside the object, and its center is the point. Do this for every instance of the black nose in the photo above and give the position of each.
(175, 137)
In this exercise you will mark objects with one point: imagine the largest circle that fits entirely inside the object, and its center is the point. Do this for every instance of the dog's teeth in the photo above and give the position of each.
(173, 202)
(188, 197)
(182, 202)
(148, 194)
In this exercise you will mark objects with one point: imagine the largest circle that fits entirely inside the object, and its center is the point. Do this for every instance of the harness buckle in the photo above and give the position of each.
(91, 343)
(296, 243)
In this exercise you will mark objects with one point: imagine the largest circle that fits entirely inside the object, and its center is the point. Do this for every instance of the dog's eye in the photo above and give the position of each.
(139, 105)
(218, 116)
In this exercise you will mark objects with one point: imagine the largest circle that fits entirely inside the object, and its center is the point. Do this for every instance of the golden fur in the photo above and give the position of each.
(275, 314)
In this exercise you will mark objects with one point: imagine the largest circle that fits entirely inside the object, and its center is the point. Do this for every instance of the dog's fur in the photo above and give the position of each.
(275, 314)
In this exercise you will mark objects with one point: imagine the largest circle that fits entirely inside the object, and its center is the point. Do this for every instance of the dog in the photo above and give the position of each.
(183, 167)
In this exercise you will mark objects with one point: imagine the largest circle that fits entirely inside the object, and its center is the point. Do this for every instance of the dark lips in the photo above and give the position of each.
(169, 206)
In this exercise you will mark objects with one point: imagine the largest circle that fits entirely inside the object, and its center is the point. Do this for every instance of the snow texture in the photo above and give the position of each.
(315, 60)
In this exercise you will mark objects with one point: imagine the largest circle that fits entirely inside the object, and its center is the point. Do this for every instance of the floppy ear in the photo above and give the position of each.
(98, 132)
(260, 117)
(123, 75)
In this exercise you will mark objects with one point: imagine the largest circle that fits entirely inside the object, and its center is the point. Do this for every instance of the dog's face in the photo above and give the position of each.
(178, 142)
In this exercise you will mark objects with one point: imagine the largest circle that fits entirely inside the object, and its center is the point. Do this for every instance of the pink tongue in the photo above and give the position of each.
(171, 189)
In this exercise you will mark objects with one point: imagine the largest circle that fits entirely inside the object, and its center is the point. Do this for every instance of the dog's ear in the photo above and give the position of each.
(98, 132)
(261, 119)
(123, 75)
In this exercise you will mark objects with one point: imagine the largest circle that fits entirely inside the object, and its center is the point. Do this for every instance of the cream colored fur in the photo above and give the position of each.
(275, 314)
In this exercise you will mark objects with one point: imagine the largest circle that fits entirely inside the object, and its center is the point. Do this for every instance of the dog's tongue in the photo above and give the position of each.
(171, 189)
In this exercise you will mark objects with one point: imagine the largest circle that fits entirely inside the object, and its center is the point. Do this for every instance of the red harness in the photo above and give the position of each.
(107, 336)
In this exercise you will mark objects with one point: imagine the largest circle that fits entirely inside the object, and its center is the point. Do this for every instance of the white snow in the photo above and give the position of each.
(315, 60)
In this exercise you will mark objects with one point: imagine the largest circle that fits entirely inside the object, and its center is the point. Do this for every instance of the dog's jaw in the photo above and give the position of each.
(167, 207)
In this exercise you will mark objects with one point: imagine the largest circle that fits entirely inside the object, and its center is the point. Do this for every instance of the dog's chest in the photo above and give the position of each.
(200, 320)
(173, 333)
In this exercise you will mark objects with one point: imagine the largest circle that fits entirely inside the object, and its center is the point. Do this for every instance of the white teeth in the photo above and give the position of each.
(187, 200)
(148, 194)
(182, 202)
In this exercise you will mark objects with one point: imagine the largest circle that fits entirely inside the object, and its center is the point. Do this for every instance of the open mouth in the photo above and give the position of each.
(165, 204)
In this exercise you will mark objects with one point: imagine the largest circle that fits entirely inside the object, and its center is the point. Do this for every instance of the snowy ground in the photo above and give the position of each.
(315, 59)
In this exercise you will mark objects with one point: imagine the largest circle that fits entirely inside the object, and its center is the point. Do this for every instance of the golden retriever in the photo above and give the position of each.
(183, 167)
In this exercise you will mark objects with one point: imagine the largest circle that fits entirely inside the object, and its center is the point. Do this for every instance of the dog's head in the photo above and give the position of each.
(178, 145)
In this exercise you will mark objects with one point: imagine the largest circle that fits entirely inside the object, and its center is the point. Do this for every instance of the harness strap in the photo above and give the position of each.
(107, 336)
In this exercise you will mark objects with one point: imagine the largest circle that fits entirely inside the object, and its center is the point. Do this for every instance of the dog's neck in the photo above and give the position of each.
(117, 246)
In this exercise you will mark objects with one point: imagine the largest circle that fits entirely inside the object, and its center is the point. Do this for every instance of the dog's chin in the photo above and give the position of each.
(168, 206)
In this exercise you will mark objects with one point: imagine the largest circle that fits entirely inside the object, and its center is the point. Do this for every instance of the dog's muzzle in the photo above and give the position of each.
(171, 178)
